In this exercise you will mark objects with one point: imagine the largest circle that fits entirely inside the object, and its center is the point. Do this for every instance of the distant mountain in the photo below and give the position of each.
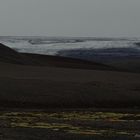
(9, 55)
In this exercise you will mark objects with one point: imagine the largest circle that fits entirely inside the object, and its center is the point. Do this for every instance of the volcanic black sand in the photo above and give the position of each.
(31, 83)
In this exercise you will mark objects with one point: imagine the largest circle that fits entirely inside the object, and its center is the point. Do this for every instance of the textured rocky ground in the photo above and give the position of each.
(80, 124)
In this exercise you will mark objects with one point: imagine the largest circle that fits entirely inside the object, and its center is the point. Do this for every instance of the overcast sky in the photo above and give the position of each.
(109, 18)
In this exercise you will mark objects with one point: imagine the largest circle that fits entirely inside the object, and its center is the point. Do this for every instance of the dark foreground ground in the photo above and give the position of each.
(41, 134)
(69, 124)
(36, 84)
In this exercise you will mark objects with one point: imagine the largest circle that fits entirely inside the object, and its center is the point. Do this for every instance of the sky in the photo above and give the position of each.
(94, 18)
